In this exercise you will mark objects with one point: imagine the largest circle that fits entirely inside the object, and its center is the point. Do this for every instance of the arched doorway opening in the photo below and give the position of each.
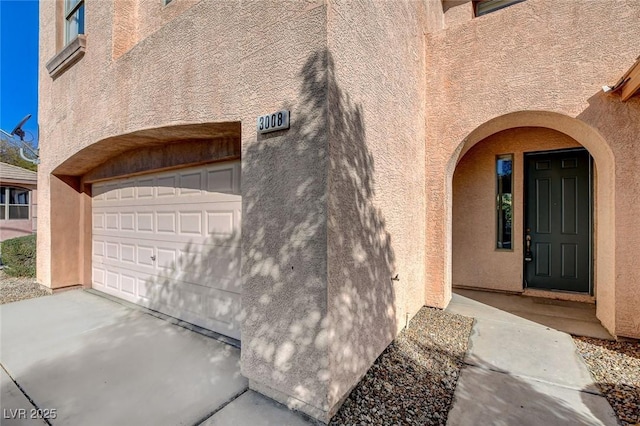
(492, 187)
(67, 198)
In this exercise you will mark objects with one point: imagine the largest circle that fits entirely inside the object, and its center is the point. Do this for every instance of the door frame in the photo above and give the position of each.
(591, 213)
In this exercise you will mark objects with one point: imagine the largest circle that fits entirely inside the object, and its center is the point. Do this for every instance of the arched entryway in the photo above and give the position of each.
(152, 217)
(488, 238)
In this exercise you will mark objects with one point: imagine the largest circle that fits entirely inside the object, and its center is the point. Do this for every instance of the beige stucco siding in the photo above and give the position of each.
(385, 100)
(482, 72)
(214, 63)
(376, 179)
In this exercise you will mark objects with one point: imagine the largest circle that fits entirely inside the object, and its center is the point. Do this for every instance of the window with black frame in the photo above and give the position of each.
(74, 19)
(504, 198)
(14, 203)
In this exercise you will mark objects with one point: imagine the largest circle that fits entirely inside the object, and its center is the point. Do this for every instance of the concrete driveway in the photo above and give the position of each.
(98, 362)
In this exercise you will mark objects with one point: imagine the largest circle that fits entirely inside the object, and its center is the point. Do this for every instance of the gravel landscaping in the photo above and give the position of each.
(13, 289)
(413, 381)
(616, 368)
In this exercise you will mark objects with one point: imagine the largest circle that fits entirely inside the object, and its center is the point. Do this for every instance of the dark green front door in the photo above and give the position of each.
(558, 220)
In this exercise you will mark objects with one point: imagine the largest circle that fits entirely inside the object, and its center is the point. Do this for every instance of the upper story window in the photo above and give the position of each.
(482, 7)
(70, 39)
(74, 19)
(14, 203)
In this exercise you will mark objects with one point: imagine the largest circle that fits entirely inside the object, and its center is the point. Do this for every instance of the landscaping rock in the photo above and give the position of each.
(13, 289)
(414, 379)
(615, 366)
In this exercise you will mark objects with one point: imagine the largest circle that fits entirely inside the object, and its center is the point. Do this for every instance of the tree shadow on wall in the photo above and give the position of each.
(318, 297)
(201, 286)
(318, 304)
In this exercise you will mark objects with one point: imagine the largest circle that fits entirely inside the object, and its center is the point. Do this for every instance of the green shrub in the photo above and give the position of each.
(19, 256)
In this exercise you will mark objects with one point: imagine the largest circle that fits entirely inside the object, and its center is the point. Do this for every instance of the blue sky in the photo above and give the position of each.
(19, 64)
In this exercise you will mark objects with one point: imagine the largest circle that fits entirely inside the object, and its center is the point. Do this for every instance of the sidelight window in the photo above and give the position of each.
(504, 201)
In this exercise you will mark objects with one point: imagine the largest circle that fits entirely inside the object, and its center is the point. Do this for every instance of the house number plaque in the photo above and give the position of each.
(273, 122)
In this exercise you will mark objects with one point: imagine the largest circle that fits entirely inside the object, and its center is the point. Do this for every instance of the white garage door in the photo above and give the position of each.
(171, 242)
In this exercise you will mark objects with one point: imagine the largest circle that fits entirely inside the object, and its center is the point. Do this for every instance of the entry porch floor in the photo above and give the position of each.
(575, 318)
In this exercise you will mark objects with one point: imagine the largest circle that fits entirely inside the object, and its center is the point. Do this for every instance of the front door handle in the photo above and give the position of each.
(528, 256)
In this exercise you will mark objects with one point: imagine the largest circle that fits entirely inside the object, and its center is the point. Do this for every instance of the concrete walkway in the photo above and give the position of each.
(87, 360)
(519, 372)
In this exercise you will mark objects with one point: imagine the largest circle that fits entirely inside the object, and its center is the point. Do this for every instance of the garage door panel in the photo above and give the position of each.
(220, 222)
(191, 183)
(227, 284)
(166, 258)
(221, 262)
(193, 273)
(221, 181)
(206, 307)
(98, 276)
(128, 253)
(189, 244)
(166, 222)
(144, 188)
(202, 269)
(186, 300)
(112, 251)
(127, 192)
(171, 242)
(166, 185)
(98, 221)
(111, 192)
(128, 284)
(111, 221)
(144, 222)
(145, 255)
(190, 223)
(176, 201)
(144, 290)
(98, 248)
(112, 280)
(127, 221)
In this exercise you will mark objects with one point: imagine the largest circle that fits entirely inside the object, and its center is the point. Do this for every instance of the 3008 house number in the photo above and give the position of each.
(272, 122)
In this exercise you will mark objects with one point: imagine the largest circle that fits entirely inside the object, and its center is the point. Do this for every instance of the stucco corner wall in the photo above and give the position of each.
(376, 180)
(619, 124)
(63, 213)
(285, 340)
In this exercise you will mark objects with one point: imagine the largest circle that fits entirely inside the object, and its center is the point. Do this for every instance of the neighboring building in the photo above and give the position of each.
(18, 201)
(429, 141)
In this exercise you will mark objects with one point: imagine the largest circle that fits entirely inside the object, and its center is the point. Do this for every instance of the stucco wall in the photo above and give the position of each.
(15, 228)
(214, 63)
(133, 21)
(318, 305)
(475, 260)
(376, 178)
(343, 201)
(555, 57)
